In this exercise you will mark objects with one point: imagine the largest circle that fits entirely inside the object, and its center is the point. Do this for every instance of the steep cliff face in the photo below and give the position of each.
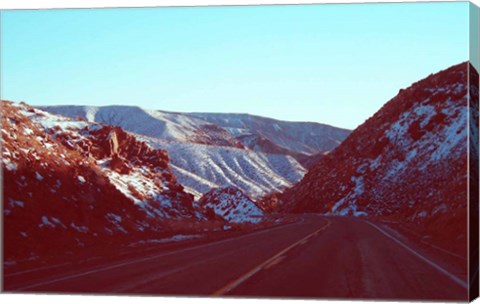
(408, 161)
(72, 184)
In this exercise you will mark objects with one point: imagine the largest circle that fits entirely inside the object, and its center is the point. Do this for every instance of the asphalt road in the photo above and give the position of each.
(315, 257)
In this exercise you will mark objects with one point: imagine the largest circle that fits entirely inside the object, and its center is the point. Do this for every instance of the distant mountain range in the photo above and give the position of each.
(260, 134)
(258, 155)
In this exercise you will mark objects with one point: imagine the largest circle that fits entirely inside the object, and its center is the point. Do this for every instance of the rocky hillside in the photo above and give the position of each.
(231, 205)
(298, 139)
(170, 126)
(408, 161)
(201, 168)
(72, 184)
(260, 134)
(254, 154)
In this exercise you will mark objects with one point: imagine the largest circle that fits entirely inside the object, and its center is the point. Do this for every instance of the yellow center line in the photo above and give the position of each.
(267, 264)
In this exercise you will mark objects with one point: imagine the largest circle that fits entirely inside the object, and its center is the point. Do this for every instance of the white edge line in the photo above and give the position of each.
(35, 269)
(427, 243)
(429, 262)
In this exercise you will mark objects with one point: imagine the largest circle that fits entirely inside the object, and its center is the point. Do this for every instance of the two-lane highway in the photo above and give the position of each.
(334, 257)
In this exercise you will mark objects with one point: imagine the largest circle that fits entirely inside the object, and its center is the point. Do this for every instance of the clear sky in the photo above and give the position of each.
(335, 64)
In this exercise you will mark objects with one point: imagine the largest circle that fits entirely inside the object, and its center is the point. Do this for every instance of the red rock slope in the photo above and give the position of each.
(407, 162)
(70, 184)
(231, 205)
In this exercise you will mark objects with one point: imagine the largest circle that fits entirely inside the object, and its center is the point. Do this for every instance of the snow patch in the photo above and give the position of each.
(175, 238)
(38, 176)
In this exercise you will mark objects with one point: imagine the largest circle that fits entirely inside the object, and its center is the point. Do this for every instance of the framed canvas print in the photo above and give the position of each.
(323, 151)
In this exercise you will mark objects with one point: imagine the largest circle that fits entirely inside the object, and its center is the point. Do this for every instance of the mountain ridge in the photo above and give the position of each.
(164, 125)
(273, 151)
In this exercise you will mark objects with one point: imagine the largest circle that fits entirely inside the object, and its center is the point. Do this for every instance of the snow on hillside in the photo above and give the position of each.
(408, 161)
(203, 167)
(142, 175)
(71, 184)
(305, 138)
(297, 139)
(232, 205)
(421, 131)
(255, 154)
(158, 124)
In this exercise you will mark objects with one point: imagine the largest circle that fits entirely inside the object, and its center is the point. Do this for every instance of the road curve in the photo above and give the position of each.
(316, 257)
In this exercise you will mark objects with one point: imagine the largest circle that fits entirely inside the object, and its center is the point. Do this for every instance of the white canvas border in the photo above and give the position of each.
(81, 299)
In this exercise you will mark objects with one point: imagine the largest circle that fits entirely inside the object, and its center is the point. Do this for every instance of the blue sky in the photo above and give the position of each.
(335, 64)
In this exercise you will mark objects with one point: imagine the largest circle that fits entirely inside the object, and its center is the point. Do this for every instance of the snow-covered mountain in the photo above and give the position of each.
(408, 161)
(255, 154)
(157, 124)
(261, 134)
(200, 168)
(275, 136)
(71, 184)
